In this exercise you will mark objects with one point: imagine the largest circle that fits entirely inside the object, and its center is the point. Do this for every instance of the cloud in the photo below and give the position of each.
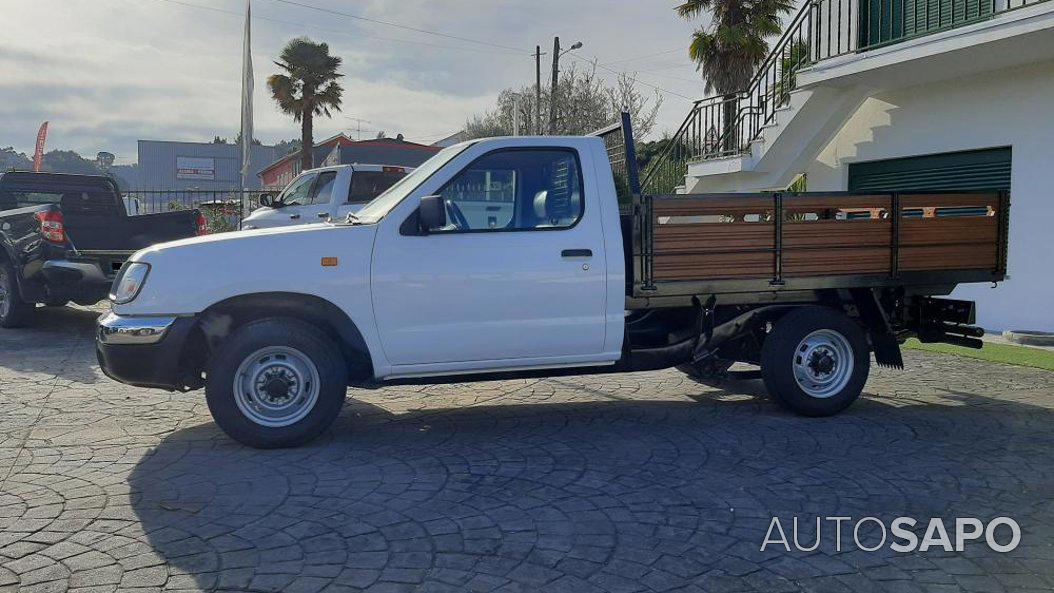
(109, 72)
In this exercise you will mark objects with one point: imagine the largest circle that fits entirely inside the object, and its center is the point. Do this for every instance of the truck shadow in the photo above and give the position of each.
(605, 492)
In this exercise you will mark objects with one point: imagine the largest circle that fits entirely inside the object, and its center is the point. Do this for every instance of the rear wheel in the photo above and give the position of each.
(276, 383)
(13, 310)
(815, 361)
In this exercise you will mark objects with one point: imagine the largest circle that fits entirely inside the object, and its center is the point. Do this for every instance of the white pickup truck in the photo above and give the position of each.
(324, 193)
(507, 257)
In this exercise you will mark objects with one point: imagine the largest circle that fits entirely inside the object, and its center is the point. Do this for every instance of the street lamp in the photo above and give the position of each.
(556, 75)
(576, 45)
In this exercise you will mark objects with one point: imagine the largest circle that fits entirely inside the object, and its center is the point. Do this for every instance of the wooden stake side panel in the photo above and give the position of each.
(734, 236)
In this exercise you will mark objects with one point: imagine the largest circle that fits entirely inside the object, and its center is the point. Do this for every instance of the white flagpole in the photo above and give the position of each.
(247, 100)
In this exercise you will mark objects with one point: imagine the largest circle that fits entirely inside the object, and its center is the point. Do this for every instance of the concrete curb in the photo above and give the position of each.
(1029, 338)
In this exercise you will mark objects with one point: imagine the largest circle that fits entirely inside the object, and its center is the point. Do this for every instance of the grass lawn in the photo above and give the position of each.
(1019, 355)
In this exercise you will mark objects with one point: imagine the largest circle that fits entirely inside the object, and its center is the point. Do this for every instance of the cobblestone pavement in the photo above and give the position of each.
(645, 482)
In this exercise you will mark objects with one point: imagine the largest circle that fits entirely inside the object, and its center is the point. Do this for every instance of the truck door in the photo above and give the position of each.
(516, 278)
(307, 199)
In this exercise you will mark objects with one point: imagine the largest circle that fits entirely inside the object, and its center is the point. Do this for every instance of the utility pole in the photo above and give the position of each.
(516, 115)
(552, 89)
(538, 90)
(556, 77)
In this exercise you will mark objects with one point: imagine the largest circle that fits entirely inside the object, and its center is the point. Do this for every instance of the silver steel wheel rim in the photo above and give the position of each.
(5, 302)
(276, 386)
(823, 363)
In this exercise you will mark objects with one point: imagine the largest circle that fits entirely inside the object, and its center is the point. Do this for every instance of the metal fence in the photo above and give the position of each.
(223, 210)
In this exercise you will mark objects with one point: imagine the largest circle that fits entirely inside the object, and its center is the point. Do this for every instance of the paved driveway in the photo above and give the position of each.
(645, 482)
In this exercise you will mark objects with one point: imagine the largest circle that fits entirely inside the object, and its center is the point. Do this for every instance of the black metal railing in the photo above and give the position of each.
(727, 125)
(223, 210)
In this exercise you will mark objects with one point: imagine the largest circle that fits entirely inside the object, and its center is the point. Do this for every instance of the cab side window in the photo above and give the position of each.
(515, 190)
(299, 191)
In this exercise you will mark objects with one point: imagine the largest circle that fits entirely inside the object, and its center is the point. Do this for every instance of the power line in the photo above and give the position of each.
(257, 17)
(634, 77)
(400, 26)
(508, 50)
(634, 59)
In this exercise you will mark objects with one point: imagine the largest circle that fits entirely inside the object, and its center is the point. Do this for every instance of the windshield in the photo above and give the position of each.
(380, 206)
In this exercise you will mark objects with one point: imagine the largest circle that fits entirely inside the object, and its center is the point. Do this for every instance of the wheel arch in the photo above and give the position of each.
(217, 322)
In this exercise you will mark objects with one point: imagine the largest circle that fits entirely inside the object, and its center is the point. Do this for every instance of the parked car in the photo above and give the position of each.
(63, 238)
(429, 284)
(327, 193)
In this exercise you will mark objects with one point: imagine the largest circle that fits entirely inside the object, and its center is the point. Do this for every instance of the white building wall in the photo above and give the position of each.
(1010, 108)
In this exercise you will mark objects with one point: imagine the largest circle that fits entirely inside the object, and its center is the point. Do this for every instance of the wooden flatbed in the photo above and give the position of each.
(773, 246)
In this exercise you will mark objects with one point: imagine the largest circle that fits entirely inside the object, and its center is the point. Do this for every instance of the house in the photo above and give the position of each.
(898, 96)
(342, 150)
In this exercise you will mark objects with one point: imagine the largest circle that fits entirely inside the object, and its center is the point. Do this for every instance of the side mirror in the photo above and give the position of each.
(431, 214)
(267, 200)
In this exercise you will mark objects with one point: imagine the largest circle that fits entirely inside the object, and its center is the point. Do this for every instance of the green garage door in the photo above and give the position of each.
(973, 170)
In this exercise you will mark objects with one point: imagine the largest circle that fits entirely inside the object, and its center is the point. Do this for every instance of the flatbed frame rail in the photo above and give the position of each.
(702, 244)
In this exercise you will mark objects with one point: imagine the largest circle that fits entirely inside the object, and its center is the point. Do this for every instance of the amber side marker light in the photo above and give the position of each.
(329, 261)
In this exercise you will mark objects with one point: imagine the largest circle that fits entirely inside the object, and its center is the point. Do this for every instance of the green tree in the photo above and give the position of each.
(730, 49)
(307, 87)
(284, 147)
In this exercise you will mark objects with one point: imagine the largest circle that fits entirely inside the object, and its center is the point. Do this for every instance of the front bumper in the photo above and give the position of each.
(143, 351)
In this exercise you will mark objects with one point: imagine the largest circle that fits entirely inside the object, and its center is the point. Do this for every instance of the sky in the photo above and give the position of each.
(107, 73)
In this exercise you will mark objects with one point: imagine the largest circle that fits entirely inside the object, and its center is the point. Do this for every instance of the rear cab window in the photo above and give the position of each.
(71, 201)
(366, 185)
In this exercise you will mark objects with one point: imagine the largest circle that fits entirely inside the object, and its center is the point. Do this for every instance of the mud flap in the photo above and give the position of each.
(883, 342)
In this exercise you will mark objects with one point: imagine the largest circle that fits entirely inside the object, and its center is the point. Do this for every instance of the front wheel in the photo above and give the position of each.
(815, 361)
(276, 383)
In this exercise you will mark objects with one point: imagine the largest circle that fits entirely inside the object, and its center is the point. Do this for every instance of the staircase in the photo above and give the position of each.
(763, 137)
(741, 134)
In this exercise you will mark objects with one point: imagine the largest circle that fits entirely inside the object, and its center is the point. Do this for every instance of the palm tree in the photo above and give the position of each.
(307, 88)
(729, 51)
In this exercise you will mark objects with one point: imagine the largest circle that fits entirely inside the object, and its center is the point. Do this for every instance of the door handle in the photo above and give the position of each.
(576, 253)
(323, 214)
(294, 217)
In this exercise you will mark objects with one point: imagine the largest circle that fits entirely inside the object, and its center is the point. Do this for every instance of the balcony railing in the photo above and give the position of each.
(726, 125)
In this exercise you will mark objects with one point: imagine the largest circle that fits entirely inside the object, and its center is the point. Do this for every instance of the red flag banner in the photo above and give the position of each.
(38, 154)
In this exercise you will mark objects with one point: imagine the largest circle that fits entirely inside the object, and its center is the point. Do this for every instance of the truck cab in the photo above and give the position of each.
(324, 193)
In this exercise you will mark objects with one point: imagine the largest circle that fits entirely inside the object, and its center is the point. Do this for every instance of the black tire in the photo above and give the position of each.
(781, 352)
(14, 312)
(251, 338)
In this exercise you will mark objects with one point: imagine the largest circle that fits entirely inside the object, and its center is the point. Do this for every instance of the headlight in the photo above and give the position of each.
(129, 282)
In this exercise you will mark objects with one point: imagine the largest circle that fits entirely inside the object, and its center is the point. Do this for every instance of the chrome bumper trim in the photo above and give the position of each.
(114, 329)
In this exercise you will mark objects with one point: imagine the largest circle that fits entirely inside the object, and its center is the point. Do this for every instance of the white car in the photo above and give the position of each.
(326, 193)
